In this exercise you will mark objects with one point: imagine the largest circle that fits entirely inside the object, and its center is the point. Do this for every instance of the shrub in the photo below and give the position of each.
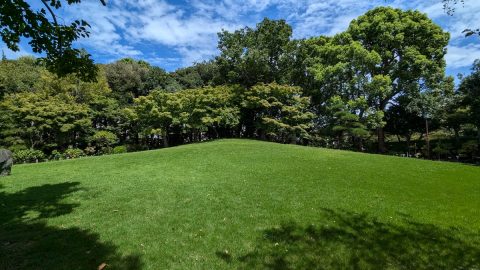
(136, 147)
(28, 155)
(90, 150)
(441, 150)
(71, 153)
(56, 155)
(120, 149)
(104, 140)
(319, 141)
(17, 147)
(469, 148)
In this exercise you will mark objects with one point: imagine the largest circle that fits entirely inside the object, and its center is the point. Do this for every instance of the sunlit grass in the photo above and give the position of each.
(241, 204)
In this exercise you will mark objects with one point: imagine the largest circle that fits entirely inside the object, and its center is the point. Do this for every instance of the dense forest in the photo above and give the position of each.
(380, 87)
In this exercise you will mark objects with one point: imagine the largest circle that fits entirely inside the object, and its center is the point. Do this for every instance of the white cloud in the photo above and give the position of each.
(123, 27)
(172, 30)
(461, 57)
(188, 30)
(106, 30)
(329, 17)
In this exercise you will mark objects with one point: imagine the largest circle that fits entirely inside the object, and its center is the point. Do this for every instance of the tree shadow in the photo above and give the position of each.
(356, 241)
(27, 242)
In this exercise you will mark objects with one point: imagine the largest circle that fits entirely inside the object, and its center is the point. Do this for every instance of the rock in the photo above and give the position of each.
(6, 162)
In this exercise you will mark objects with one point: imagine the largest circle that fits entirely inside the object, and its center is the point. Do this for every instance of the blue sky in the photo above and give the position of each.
(173, 34)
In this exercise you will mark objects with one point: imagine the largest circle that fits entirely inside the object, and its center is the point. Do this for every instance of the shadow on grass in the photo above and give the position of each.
(355, 241)
(27, 242)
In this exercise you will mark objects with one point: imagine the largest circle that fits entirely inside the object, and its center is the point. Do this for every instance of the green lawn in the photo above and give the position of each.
(241, 204)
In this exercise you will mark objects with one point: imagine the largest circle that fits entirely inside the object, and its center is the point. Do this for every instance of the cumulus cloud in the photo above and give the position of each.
(177, 33)
(462, 56)
(106, 38)
(120, 29)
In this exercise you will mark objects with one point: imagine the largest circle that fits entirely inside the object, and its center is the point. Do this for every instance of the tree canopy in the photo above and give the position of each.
(250, 56)
(379, 86)
(411, 49)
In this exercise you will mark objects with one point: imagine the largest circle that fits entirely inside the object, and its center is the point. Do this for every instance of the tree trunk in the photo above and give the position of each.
(199, 135)
(359, 142)
(457, 139)
(165, 139)
(381, 140)
(427, 139)
(293, 139)
(478, 143)
(136, 138)
(408, 138)
(263, 136)
(250, 125)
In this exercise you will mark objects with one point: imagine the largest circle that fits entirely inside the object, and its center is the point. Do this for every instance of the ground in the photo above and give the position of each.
(241, 204)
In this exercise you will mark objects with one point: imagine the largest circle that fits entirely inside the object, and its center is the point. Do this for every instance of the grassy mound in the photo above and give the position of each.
(241, 204)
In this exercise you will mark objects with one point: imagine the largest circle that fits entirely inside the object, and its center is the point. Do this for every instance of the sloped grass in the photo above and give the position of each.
(241, 204)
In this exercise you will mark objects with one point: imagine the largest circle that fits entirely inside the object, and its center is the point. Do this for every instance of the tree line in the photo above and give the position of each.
(380, 86)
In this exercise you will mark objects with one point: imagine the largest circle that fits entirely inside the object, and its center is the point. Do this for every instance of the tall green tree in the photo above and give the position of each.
(470, 89)
(278, 112)
(411, 48)
(402, 122)
(428, 105)
(345, 122)
(346, 95)
(210, 111)
(250, 56)
(341, 67)
(155, 114)
(188, 78)
(158, 78)
(103, 107)
(300, 56)
(456, 116)
(128, 79)
(19, 75)
(38, 120)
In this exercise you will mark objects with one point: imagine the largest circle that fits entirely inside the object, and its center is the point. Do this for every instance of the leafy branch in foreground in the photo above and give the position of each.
(18, 20)
(449, 6)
